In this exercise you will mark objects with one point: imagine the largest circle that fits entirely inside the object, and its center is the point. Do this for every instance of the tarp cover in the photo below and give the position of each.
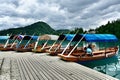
(99, 37)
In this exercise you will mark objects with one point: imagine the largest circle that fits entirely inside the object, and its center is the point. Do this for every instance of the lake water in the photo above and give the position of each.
(109, 66)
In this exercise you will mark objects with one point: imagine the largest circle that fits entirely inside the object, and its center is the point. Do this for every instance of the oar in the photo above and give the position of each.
(69, 43)
(7, 41)
(29, 41)
(14, 41)
(20, 42)
(54, 43)
(36, 43)
(77, 44)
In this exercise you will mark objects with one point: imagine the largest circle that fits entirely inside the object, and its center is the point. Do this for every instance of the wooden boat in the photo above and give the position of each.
(55, 52)
(80, 55)
(101, 54)
(44, 47)
(23, 50)
(6, 49)
(28, 47)
(7, 45)
(57, 49)
(40, 50)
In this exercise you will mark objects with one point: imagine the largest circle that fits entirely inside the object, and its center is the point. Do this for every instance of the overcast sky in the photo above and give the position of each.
(59, 14)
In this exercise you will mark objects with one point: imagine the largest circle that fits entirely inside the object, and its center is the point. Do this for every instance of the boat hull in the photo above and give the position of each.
(39, 51)
(23, 50)
(54, 53)
(96, 56)
(6, 49)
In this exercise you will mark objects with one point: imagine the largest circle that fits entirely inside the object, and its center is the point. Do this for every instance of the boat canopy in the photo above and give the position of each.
(35, 37)
(20, 37)
(99, 37)
(48, 37)
(4, 37)
(66, 36)
(27, 37)
(90, 37)
(13, 36)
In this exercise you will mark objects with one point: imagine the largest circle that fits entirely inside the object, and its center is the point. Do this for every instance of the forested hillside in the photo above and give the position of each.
(37, 28)
(111, 27)
(43, 28)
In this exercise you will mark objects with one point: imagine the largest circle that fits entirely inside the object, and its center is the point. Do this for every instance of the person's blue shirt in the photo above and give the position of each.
(89, 51)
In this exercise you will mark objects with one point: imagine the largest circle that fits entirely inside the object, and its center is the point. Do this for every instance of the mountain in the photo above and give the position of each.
(37, 28)
(110, 28)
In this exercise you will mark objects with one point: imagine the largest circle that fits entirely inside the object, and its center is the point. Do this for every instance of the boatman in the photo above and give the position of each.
(89, 50)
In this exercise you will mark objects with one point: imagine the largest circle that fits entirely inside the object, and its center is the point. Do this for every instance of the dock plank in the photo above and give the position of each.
(23, 73)
(31, 70)
(30, 66)
(15, 73)
(1, 62)
(5, 69)
(67, 70)
(51, 72)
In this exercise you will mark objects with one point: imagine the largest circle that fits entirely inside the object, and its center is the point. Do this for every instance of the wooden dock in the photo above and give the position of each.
(31, 66)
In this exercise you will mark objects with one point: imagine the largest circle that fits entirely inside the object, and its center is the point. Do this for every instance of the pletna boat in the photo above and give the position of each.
(28, 46)
(7, 45)
(81, 55)
(57, 47)
(44, 47)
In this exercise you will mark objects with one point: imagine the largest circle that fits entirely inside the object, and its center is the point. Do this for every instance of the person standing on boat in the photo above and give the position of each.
(89, 50)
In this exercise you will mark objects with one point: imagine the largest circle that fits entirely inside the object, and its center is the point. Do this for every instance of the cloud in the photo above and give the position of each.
(59, 14)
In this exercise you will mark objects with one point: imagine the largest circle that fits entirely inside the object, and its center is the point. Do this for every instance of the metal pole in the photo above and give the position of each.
(45, 44)
(76, 45)
(29, 41)
(68, 44)
(7, 41)
(20, 42)
(36, 43)
(54, 43)
(14, 42)
(60, 43)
